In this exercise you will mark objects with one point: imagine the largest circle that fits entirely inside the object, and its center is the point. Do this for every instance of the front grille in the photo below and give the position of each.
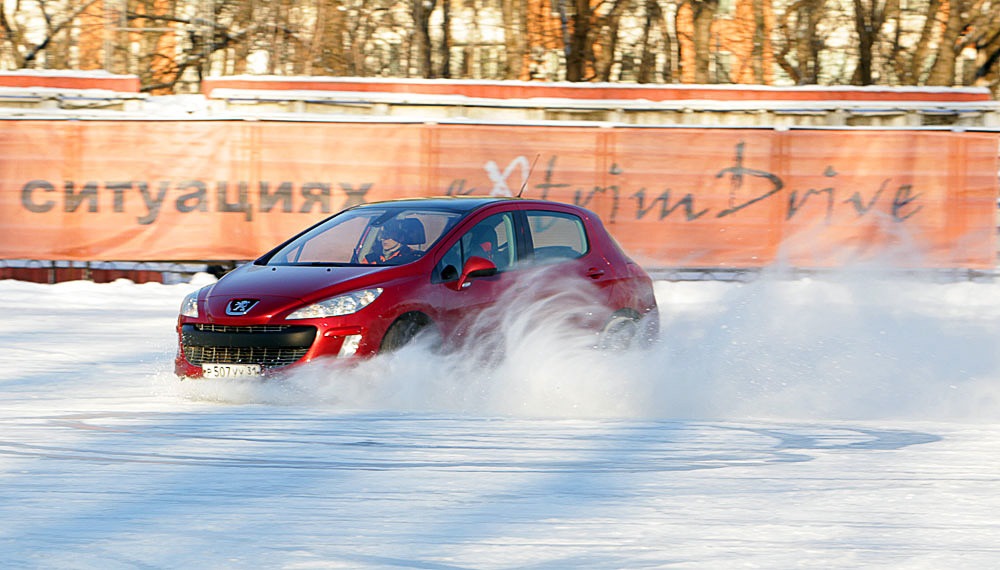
(265, 356)
(267, 345)
(241, 329)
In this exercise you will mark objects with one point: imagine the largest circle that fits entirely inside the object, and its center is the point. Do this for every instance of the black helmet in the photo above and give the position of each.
(393, 229)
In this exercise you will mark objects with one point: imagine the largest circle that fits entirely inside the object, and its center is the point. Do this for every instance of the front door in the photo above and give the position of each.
(476, 312)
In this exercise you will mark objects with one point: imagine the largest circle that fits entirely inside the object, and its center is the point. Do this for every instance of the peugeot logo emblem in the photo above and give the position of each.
(237, 307)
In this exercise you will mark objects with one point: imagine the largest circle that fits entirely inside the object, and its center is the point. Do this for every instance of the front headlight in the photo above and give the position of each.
(189, 306)
(338, 306)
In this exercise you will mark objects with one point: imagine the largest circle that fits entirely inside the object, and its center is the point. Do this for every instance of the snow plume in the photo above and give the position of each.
(856, 345)
(851, 345)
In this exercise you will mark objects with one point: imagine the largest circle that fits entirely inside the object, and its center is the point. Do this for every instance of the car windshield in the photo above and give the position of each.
(384, 235)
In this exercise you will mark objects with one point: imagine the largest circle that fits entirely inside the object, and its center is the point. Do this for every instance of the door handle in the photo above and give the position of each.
(595, 272)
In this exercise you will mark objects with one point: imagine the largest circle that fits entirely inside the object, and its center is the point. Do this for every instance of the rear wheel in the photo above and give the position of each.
(619, 333)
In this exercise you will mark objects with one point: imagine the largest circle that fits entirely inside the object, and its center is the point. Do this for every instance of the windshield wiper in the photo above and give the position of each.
(316, 264)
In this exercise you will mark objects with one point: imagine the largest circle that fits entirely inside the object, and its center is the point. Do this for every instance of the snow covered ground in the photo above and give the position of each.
(850, 421)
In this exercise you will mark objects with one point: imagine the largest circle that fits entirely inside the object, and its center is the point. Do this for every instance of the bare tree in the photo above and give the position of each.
(605, 32)
(14, 43)
(514, 37)
(421, 44)
(911, 65)
(579, 52)
(172, 44)
(869, 17)
(943, 70)
(445, 49)
(652, 21)
(702, 13)
(799, 42)
(667, 41)
(760, 39)
(54, 40)
(961, 16)
(202, 37)
(987, 45)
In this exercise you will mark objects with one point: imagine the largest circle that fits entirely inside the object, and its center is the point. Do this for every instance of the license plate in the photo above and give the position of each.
(230, 370)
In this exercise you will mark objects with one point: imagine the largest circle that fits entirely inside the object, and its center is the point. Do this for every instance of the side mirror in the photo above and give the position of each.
(475, 267)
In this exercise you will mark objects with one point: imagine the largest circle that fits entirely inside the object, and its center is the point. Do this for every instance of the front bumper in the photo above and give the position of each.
(273, 347)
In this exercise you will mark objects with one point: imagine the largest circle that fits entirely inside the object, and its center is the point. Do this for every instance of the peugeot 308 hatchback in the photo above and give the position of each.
(371, 278)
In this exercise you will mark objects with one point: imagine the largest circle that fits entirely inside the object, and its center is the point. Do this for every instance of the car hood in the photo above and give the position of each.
(291, 282)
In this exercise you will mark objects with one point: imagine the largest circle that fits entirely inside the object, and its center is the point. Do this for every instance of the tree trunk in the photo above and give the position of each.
(446, 39)
(943, 71)
(704, 15)
(647, 61)
(422, 37)
(759, 40)
(863, 73)
(798, 55)
(578, 50)
(868, 21)
(668, 50)
(912, 72)
(513, 26)
(608, 28)
(809, 44)
(988, 47)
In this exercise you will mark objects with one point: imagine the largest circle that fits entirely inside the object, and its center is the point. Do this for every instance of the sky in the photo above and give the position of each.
(836, 421)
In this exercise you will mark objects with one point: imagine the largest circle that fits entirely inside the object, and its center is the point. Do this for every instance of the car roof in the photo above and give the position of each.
(454, 203)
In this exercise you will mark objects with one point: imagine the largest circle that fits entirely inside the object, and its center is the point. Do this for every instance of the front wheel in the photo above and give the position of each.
(403, 331)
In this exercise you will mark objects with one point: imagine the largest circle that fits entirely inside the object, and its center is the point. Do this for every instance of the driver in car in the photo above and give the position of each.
(394, 249)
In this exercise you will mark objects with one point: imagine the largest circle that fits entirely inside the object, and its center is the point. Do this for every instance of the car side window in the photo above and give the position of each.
(492, 238)
(556, 236)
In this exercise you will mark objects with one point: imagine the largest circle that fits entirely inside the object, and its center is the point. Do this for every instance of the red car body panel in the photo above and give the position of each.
(415, 290)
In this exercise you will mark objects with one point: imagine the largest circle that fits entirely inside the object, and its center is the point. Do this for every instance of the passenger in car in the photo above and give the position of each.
(484, 243)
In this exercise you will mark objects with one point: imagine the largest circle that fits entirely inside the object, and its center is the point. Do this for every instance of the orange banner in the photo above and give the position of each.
(673, 197)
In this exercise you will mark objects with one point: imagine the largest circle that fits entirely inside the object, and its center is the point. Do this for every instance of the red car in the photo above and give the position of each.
(369, 279)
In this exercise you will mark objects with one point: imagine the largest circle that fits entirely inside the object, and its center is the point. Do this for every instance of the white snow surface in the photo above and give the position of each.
(843, 422)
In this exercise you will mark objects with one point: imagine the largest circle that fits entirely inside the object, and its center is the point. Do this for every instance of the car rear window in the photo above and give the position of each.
(556, 235)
